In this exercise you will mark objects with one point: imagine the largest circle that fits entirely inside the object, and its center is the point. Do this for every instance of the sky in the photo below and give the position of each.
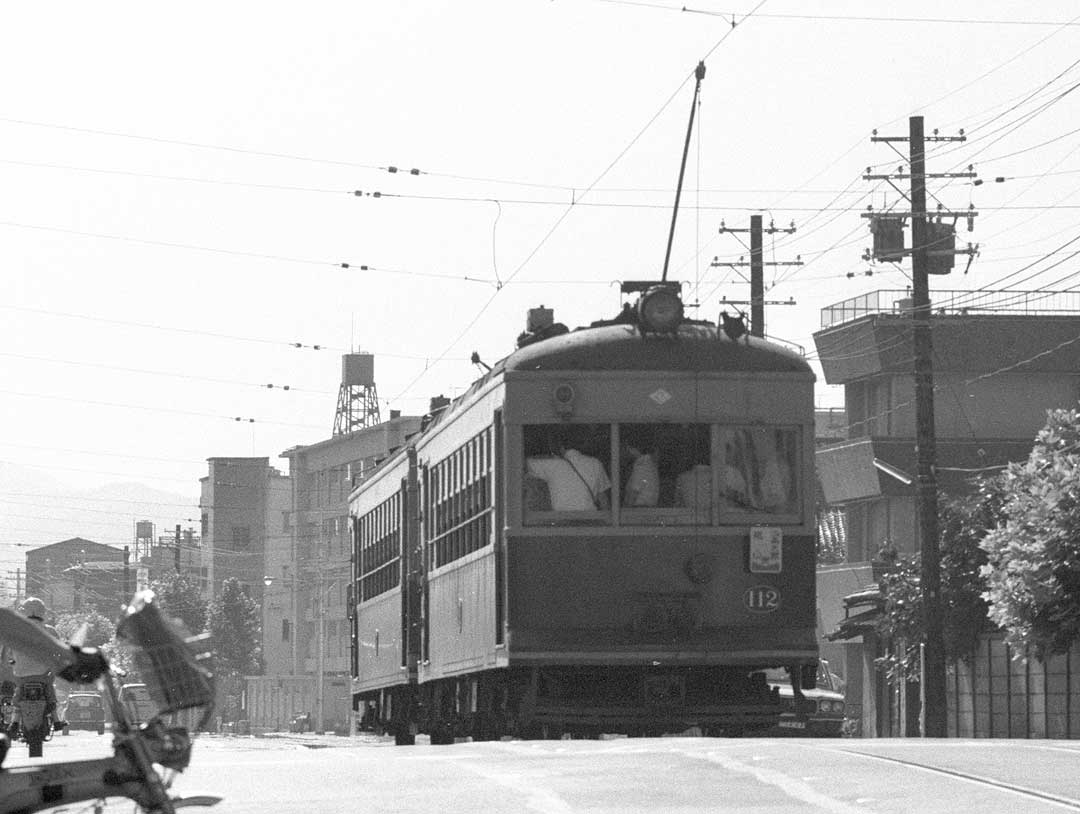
(179, 191)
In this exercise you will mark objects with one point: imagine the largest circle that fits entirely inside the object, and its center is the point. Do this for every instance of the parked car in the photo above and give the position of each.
(136, 697)
(301, 722)
(825, 716)
(84, 710)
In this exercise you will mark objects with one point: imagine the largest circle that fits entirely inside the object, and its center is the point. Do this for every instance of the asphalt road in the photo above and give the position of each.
(756, 776)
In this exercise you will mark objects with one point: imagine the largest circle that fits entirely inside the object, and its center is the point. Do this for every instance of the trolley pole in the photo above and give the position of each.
(934, 712)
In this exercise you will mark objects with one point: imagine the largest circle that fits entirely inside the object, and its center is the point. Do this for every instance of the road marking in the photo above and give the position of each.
(537, 798)
(790, 786)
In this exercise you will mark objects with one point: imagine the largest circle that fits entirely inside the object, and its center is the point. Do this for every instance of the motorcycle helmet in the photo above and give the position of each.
(33, 607)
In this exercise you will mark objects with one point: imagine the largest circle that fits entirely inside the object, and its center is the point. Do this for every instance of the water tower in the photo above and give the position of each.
(144, 538)
(358, 401)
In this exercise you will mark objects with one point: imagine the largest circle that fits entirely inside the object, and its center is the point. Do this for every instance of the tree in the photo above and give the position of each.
(100, 629)
(1033, 573)
(180, 597)
(234, 621)
(236, 628)
(963, 522)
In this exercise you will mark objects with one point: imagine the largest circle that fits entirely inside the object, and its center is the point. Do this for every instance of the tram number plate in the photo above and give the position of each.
(792, 724)
(762, 599)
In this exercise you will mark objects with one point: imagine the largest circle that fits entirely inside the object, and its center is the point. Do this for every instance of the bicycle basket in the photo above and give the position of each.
(175, 678)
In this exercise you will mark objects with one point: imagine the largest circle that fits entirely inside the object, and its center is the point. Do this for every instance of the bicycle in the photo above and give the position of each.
(178, 680)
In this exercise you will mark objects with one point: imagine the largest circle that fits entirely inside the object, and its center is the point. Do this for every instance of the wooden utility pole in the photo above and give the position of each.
(942, 245)
(757, 270)
(933, 679)
(757, 279)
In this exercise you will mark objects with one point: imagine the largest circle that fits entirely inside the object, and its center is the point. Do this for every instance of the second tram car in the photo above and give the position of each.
(610, 531)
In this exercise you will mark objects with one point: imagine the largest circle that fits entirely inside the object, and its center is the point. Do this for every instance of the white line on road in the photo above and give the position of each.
(790, 786)
(536, 798)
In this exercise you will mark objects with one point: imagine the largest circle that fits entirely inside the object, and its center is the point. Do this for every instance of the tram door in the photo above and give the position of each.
(499, 503)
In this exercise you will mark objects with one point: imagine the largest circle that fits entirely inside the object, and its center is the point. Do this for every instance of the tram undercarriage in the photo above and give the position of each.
(552, 702)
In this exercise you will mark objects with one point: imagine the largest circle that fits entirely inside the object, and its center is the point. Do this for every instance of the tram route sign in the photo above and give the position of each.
(766, 550)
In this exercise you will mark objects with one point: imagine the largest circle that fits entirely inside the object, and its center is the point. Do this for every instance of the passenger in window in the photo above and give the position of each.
(774, 471)
(733, 491)
(643, 485)
(693, 490)
(537, 495)
(576, 482)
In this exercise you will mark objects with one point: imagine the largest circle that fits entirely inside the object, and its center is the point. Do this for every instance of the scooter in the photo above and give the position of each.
(7, 705)
(35, 726)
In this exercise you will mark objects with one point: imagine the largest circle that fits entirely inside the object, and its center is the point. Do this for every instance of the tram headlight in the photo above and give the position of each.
(660, 309)
(563, 398)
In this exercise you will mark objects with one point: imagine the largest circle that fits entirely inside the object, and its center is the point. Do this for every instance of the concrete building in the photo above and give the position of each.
(47, 567)
(245, 512)
(105, 585)
(1001, 360)
(166, 556)
(306, 640)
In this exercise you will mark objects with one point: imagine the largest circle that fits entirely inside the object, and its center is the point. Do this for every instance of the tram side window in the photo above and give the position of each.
(759, 469)
(567, 477)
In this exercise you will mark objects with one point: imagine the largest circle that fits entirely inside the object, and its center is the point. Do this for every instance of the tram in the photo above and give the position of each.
(612, 530)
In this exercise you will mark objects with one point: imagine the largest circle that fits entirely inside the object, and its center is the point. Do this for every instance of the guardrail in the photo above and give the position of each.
(899, 302)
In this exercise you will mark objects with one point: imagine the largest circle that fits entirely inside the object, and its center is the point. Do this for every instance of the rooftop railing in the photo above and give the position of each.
(899, 302)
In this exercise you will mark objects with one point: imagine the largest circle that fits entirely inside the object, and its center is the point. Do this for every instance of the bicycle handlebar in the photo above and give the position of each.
(178, 682)
(26, 635)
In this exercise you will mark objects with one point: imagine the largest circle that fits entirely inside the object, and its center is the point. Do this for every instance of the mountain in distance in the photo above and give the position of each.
(37, 509)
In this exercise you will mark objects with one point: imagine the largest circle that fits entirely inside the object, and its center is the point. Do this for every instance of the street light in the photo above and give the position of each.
(268, 581)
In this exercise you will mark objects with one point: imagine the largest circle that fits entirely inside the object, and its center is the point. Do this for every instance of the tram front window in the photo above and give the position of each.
(699, 474)
(567, 474)
(665, 473)
(759, 464)
(662, 474)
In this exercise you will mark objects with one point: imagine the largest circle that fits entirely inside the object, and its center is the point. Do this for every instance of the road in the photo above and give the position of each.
(315, 774)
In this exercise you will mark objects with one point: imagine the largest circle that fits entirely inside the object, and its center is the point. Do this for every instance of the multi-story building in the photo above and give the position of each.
(1001, 360)
(309, 607)
(246, 505)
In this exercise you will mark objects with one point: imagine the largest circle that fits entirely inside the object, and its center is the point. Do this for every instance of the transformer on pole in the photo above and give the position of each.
(358, 400)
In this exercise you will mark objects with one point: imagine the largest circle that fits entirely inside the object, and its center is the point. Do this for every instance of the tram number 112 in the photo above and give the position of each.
(762, 599)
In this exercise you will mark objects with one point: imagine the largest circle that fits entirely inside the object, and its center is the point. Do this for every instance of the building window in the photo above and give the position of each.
(205, 524)
(241, 538)
(286, 630)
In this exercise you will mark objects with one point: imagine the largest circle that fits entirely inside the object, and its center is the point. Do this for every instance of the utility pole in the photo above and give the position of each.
(320, 621)
(177, 556)
(127, 574)
(933, 689)
(757, 271)
(937, 244)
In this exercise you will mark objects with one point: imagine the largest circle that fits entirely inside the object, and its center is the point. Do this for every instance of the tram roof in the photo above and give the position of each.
(696, 347)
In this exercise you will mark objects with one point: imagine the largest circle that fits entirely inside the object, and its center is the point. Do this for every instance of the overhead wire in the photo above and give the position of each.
(558, 222)
(198, 332)
(239, 253)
